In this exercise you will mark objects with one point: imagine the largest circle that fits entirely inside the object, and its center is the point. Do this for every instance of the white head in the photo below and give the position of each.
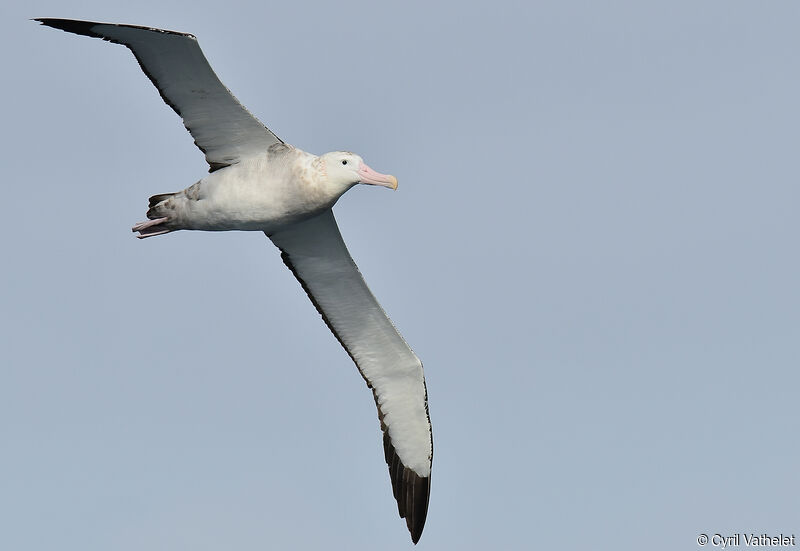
(346, 169)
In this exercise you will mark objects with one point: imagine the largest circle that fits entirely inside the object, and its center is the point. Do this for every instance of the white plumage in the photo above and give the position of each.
(256, 182)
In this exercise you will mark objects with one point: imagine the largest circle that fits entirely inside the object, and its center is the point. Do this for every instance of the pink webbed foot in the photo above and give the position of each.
(150, 228)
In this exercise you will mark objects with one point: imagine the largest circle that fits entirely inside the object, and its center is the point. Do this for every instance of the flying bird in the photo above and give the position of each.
(257, 182)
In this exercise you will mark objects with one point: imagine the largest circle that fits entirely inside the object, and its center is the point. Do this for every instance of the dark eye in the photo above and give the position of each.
(344, 162)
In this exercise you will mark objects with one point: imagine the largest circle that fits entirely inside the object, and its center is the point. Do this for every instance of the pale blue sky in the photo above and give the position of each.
(593, 249)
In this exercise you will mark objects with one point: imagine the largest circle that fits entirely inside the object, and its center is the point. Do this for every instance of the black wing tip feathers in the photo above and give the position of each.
(69, 25)
(85, 27)
(411, 491)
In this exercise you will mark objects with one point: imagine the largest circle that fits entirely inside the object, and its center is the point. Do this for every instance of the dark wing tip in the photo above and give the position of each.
(411, 491)
(85, 27)
(69, 25)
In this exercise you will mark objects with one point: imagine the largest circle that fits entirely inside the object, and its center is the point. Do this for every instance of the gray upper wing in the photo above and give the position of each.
(221, 127)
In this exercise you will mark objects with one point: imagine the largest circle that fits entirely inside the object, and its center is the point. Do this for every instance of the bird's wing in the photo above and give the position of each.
(221, 127)
(316, 254)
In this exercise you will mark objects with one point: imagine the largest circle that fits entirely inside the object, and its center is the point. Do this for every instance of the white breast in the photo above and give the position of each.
(265, 192)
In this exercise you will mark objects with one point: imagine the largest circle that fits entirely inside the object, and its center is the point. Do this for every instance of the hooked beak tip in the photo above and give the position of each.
(369, 176)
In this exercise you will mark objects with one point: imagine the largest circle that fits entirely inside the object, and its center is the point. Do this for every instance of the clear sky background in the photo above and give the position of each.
(593, 249)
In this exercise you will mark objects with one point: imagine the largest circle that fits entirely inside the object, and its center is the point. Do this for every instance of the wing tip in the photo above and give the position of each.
(411, 491)
(84, 28)
(69, 25)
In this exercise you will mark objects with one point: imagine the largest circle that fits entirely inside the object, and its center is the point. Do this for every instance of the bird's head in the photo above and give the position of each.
(347, 169)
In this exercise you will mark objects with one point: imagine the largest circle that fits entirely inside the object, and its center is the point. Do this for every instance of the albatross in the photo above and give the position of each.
(257, 182)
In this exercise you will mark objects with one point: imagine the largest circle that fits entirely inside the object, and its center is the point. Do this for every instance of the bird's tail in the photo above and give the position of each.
(157, 215)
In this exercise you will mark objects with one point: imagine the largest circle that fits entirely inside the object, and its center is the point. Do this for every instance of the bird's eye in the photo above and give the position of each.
(344, 162)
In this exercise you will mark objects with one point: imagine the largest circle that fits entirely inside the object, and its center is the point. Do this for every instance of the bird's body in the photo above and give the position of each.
(259, 183)
(264, 192)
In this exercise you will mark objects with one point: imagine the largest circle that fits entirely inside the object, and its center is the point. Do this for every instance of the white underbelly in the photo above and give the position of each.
(248, 197)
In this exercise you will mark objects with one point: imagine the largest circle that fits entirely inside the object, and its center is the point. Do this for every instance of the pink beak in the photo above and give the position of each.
(369, 176)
